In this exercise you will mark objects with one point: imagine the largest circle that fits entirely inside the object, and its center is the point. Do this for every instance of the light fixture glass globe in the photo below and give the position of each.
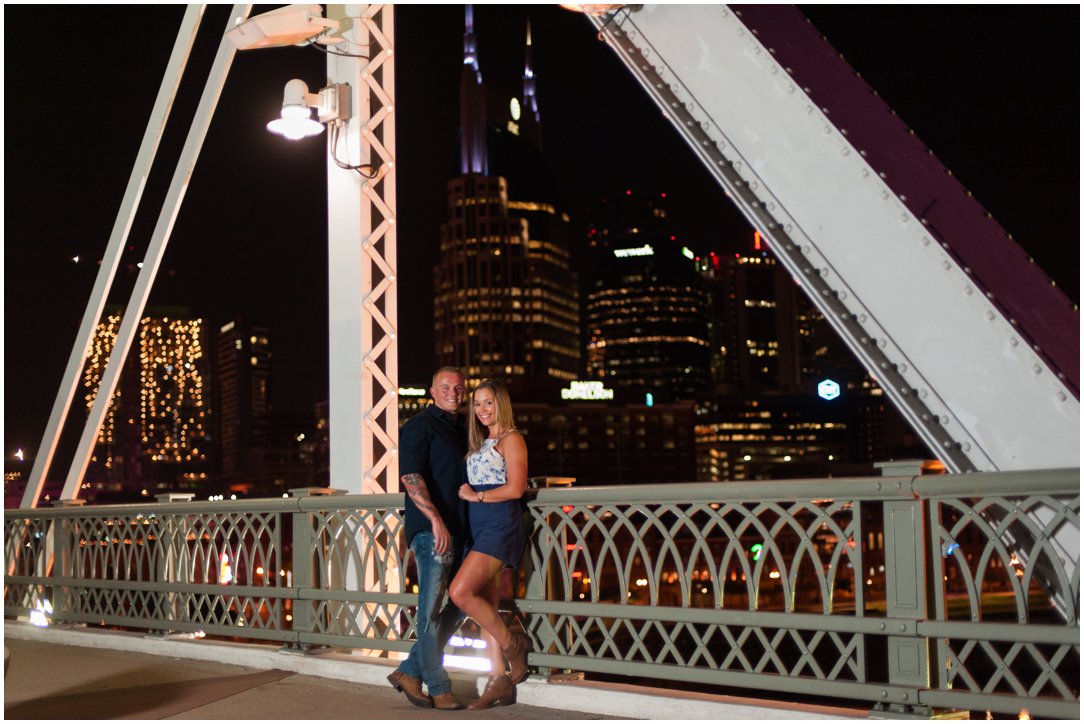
(296, 123)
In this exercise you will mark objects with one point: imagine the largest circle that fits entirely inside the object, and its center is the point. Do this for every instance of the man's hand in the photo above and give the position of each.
(419, 493)
(442, 539)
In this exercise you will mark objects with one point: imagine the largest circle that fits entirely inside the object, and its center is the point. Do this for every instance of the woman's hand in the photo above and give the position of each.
(465, 493)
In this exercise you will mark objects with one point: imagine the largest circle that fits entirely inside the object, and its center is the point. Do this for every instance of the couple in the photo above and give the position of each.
(464, 525)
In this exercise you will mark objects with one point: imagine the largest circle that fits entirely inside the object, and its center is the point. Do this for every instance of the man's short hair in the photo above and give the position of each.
(448, 368)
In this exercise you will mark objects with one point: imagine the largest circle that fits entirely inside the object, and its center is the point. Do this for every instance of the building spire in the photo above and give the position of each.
(470, 44)
(472, 105)
(531, 117)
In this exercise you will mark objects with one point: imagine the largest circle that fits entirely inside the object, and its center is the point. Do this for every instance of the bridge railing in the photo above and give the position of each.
(905, 593)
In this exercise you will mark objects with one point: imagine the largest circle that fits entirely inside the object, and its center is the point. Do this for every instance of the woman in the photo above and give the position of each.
(497, 471)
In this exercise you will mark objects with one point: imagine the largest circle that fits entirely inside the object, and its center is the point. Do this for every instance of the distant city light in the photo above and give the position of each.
(828, 389)
(225, 571)
(411, 392)
(650, 400)
(75, 259)
(589, 390)
(645, 250)
(19, 453)
(688, 254)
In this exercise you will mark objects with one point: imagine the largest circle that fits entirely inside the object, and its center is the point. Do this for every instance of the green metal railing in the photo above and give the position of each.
(905, 593)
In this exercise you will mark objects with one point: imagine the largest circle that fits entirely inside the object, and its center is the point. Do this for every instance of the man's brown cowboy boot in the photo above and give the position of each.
(446, 701)
(411, 688)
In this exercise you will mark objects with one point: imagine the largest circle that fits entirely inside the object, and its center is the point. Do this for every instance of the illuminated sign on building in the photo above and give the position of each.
(644, 250)
(828, 389)
(580, 390)
(411, 392)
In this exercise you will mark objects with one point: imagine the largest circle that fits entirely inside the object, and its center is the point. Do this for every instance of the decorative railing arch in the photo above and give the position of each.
(907, 593)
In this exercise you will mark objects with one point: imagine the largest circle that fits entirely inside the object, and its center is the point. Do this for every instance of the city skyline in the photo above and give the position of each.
(70, 141)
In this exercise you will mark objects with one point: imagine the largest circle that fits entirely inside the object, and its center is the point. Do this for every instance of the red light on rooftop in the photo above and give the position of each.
(664, 196)
(628, 192)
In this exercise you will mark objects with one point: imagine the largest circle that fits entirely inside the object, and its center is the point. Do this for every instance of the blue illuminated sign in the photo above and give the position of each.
(828, 389)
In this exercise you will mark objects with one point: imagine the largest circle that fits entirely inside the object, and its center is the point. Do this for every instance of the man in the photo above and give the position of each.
(432, 447)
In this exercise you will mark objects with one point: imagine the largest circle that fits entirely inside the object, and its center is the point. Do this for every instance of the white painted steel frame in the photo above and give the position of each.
(362, 260)
(973, 389)
(133, 312)
(111, 258)
(362, 271)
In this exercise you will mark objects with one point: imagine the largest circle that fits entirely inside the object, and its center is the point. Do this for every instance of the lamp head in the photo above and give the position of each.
(290, 25)
(296, 121)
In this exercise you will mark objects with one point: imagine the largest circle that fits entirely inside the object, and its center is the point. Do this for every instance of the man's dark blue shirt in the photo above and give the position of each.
(433, 445)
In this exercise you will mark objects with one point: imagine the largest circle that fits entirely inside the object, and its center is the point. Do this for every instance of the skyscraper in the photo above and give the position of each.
(156, 429)
(771, 418)
(756, 338)
(647, 307)
(243, 396)
(505, 297)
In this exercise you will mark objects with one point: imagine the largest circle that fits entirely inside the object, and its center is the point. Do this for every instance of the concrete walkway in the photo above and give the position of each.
(78, 673)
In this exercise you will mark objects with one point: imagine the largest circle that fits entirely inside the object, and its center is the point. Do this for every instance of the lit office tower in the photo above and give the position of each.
(243, 401)
(647, 307)
(505, 300)
(757, 345)
(156, 428)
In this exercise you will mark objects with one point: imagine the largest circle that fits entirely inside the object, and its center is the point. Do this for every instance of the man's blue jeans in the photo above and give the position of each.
(434, 625)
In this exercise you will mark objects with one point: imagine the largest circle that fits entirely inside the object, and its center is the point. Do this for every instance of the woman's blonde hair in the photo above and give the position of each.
(477, 431)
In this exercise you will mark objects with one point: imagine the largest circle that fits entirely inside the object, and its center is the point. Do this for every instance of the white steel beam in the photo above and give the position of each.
(155, 251)
(953, 364)
(363, 317)
(156, 126)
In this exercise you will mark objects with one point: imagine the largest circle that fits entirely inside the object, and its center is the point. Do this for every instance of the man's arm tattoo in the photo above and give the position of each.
(419, 493)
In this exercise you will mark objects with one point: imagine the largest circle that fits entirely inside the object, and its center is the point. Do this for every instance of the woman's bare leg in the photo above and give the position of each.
(496, 659)
(474, 590)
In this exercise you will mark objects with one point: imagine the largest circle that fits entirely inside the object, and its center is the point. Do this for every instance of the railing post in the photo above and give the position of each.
(302, 560)
(171, 561)
(59, 544)
(905, 590)
(541, 582)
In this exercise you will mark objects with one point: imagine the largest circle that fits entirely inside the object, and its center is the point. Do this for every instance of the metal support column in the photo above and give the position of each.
(364, 411)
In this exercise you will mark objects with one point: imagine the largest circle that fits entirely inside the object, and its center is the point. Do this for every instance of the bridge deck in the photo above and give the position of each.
(86, 674)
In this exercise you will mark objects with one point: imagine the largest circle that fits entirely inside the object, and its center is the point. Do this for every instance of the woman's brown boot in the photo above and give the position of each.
(499, 691)
(516, 656)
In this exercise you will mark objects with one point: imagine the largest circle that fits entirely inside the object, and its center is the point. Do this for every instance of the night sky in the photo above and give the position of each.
(993, 90)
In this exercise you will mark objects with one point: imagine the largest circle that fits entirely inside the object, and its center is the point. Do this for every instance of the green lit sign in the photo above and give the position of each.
(411, 392)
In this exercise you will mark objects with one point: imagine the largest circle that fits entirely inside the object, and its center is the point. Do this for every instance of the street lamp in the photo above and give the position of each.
(332, 105)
